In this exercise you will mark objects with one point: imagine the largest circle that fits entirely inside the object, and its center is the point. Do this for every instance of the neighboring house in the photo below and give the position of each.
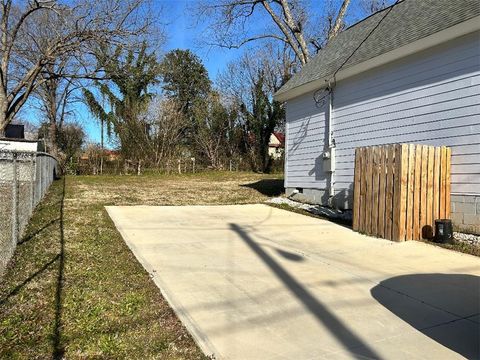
(14, 140)
(407, 74)
(112, 155)
(108, 155)
(276, 145)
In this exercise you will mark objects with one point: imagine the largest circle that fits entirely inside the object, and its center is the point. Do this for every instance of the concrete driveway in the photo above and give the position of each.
(256, 282)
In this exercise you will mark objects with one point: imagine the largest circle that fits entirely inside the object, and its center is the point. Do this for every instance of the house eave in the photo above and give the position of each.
(438, 38)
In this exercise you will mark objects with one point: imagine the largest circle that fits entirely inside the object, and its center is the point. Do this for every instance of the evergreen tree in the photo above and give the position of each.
(185, 79)
(127, 93)
(265, 115)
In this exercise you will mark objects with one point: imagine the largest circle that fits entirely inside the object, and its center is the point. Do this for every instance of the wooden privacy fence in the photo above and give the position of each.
(400, 190)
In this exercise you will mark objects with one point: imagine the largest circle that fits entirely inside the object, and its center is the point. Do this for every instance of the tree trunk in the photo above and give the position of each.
(337, 26)
(3, 114)
(52, 136)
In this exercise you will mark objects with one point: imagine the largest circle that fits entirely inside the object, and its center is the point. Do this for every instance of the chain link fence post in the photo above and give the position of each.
(14, 200)
(32, 183)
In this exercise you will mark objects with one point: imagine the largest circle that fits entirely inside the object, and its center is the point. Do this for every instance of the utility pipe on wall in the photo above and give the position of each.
(331, 144)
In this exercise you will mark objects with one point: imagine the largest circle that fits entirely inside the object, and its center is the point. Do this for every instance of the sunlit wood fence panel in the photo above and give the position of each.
(400, 189)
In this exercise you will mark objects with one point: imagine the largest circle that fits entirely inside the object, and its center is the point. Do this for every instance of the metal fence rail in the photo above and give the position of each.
(24, 180)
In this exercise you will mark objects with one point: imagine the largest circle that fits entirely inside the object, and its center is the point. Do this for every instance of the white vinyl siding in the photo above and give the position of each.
(304, 143)
(432, 97)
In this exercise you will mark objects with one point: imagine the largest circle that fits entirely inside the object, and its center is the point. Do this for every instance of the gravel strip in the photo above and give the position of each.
(347, 215)
(467, 238)
(314, 209)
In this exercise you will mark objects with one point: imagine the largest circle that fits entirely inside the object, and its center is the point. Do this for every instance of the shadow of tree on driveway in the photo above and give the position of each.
(453, 301)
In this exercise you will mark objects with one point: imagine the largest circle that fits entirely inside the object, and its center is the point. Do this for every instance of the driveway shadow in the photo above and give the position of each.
(452, 302)
(345, 336)
(268, 187)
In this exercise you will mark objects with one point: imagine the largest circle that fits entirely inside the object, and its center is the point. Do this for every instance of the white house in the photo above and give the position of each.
(14, 140)
(407, 74)
(19, 145)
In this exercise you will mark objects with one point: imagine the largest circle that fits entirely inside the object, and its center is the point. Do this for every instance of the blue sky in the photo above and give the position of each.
(182, 33)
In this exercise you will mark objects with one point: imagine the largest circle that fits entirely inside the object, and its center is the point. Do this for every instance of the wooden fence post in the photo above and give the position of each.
(443, 181)
(375, 195)
(436, 184)
(356, 187)
(381, 197)
(448, 182)
(363, 189)
(369, 177)
(400, 192)
(389, 192)
(410, 192)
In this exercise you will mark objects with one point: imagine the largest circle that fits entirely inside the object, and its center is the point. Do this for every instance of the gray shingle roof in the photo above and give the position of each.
(408, 21)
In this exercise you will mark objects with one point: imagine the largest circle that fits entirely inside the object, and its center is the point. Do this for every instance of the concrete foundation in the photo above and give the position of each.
(341, 200)
(466, 213)
(310, 196)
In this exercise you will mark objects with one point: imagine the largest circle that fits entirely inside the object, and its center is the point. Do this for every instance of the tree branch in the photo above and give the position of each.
(339, 20)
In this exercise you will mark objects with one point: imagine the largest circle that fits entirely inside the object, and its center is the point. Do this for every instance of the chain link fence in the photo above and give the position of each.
(24, 180)
(181, 165)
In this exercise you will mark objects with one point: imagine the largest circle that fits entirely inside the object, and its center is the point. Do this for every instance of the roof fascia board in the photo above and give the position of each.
(438, 38)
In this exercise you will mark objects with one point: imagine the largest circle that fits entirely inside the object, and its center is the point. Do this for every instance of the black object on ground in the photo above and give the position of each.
(443, 231)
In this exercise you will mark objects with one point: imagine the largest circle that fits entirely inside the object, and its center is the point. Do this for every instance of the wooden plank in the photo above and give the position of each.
(443, 179)
(389, 192)
(381, 195)
(360, 187)
(447, 182)
(363, 188)
(400, 192)
(375, 184)
(423, 190)
(410, 192)
(403, 174)
(430, 166)
(397, 182)
(417, 189)
(368, 207)
(356, 190)
(436, 186)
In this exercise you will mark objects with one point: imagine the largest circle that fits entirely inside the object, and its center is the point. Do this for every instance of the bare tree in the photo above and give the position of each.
(237, 80)
(290, 24)
(250, 82)
(56, 95)
(212, 124)
(371, 6)
(35, 34)
(166, 122)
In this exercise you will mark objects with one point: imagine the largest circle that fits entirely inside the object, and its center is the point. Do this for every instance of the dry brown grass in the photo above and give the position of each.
(198, 189)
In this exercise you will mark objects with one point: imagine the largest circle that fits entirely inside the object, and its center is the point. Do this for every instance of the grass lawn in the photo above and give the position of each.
(74, 289)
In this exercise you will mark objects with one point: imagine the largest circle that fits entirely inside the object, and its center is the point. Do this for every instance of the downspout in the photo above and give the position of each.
(331, 147)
